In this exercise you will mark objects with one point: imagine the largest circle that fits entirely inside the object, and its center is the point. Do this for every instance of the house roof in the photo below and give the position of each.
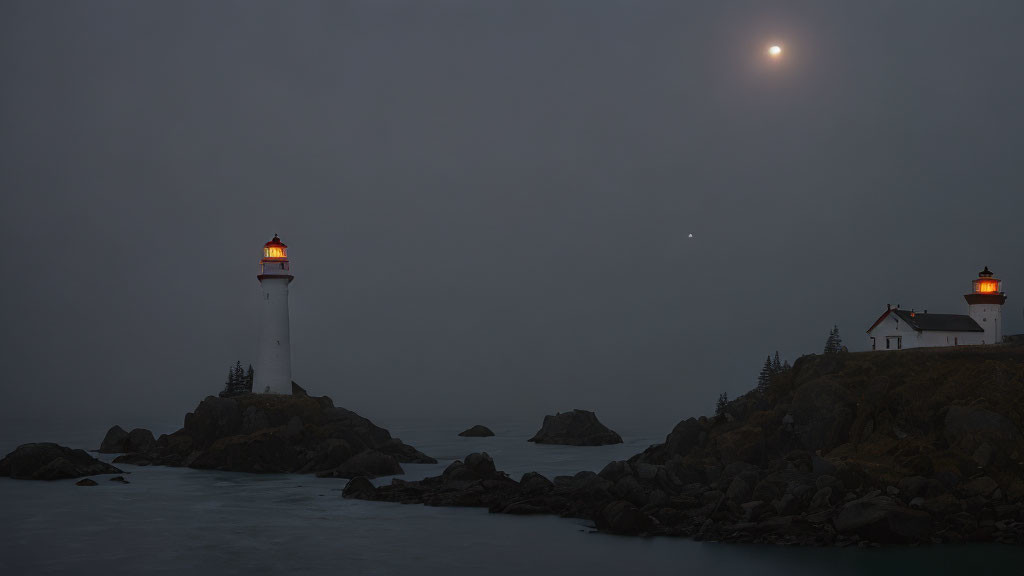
(939, 322)
(921, 321)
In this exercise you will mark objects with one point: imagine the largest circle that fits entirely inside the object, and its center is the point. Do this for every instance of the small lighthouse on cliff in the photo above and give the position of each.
(985, 305)
(274, 367)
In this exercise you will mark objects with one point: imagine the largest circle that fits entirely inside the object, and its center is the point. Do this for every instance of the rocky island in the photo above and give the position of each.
(477, 431)
(576, 428)
(49, 461)
(920, 446)
(276, 433)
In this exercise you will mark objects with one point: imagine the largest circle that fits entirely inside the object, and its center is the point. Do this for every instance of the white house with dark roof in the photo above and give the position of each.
(897, 329)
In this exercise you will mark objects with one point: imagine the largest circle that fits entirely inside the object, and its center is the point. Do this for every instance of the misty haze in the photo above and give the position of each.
(494, 212)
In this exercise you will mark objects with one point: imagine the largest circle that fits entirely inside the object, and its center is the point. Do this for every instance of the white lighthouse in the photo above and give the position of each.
(985, 305)
(274, 367)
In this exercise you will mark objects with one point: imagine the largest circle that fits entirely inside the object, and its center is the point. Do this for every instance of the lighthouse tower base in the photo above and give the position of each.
(274, 367)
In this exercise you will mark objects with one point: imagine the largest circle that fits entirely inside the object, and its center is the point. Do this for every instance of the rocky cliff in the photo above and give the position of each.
(914, 446)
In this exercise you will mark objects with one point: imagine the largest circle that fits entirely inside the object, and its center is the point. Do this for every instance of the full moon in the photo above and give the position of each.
(775, 51)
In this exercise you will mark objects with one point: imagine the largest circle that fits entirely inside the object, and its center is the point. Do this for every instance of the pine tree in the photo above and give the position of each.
(765, 377)
(229, 385)
(776, 364)
(723, 403)
(834, 344)
(830, 342)
(248, 379)
(239, 375)
(786, 366)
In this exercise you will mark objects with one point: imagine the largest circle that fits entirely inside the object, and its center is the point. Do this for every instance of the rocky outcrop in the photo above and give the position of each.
(473, 482)
(113, 442)
(477, 431)
(117, 441)
(918, 446)
(49, 461)
(368, 464)
(883, 519)
(278, 433)
(576, 428)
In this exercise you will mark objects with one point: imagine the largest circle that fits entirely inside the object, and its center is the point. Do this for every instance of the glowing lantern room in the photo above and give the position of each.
(985, 283)
(275, 260)
(275, 249)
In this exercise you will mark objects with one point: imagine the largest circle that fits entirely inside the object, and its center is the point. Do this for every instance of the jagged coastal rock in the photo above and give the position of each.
(117, 441)
(113, 442)
(49, 461)
(576, 428)
(921, 446)
(474, 482)
(368, 463)
(279, 433)
(477, 431)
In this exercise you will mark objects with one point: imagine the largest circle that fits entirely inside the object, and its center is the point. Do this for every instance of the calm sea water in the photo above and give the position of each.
(182, 521)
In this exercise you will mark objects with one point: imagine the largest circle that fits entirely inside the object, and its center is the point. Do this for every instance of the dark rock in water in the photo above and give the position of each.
(576, 428)
(369, 464)
(881, 519)
(359, 487)
(279, 433)
(134, 459)
(474, 482)
(404, 452)
(481, 464)
(213, 419)
(477, 431)
(139, 440)
(533, 483)
(264, 451)
(688, 435)
(477, 466)
(621, 517)
(113, 442)
(86, 482)
(117, 441)
(49, 461)
(119, 479)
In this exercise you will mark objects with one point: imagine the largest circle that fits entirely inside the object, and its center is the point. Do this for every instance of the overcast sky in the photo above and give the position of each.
(488, 204)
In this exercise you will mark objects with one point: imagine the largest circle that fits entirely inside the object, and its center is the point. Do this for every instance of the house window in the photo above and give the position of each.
(899, 342)
(886, 343)
(872, 342)
(956, 341)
